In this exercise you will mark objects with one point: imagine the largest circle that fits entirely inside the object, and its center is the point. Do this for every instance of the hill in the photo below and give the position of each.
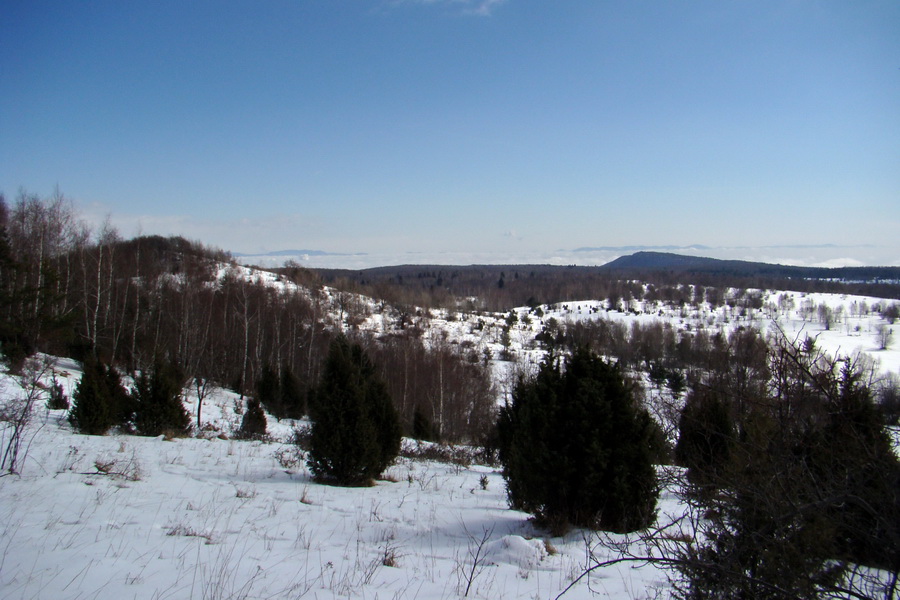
(501, 287)
(667, 261)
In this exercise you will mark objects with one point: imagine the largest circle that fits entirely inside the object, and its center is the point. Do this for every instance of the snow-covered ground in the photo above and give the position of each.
(213, 518)
(129, 517)
(854, 326)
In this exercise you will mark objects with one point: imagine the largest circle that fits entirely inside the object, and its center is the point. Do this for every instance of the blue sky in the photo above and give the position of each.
(514, 127)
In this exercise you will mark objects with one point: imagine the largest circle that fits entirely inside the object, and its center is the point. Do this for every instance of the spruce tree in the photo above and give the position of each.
(57, 399)
(158, 404)
(422, 428)
(356, 431)
(293, 400)
(253, 424)
(280, 393)
(122, 405)
(706, 437)
(92, 411)
(268, 392)
(576, 448)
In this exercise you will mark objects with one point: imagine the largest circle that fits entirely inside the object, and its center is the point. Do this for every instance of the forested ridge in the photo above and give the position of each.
(501, 287)
(70, 291)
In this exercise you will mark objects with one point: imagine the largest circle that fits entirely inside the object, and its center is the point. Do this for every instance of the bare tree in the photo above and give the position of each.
(16, 409)
(884, 335)
(476, 560)
(825, 315)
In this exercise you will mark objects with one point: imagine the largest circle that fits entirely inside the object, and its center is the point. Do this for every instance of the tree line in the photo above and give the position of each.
(498, 288)
(69, 290)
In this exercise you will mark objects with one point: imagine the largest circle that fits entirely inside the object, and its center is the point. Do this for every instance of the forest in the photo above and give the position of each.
(70, 291)
(501, 287)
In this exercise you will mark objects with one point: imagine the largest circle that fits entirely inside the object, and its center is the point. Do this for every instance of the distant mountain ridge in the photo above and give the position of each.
(701, 247)
(667, 261)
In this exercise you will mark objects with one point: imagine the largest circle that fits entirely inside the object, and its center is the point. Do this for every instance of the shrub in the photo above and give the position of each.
(356, 431)
(422, 427)
(268, 392)
(802, 490)
(281, 393)
(122, 405)
(253, 423)
(706, 436)
(888, 394)
(158, 405)
(57, 399)
(576, 448)
(92, 411)
(99, 401)
(293, 398)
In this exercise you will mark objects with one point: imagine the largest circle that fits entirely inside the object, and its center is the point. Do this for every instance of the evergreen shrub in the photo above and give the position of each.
(356, 431)
(92, 411)
(577, 449)
(158, 405)
(253, 423)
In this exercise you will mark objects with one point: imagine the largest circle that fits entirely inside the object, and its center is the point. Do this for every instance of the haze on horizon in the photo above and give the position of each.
(474, 130)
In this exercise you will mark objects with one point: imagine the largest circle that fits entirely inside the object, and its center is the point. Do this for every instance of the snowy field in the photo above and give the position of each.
(213, 518)
(853, 330)
(129, 517)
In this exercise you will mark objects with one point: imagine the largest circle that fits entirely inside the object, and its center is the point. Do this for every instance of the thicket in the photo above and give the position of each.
(674, 357)
(577, 449)
(452, 394)
(16, 411)
(796, 480)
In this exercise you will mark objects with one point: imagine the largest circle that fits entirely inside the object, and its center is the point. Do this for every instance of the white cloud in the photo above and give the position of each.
(482, 8)
(479, 8)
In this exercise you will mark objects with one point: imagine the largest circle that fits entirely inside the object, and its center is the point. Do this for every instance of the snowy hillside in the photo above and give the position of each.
(130, 517)
(855, 324)
(841, 324)
(209, 517)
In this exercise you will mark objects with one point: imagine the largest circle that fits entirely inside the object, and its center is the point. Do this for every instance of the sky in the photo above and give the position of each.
(464, 129)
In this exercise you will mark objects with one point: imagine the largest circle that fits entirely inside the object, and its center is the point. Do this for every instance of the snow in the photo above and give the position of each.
(850, 334)
(209, 517)
(212, 518)
(121, 516)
